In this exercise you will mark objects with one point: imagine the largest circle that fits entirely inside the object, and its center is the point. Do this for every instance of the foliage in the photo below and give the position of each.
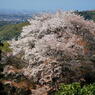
(7, 32)
(75, 89)
(6, 47)
(90, 15)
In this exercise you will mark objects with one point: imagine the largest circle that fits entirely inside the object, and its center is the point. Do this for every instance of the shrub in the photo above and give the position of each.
(6, 47)
(75, 89)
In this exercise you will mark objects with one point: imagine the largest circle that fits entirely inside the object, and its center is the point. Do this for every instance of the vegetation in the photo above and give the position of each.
(90, 15)
(5, 48)
(76, 89)
(7, 32)
(12, 81)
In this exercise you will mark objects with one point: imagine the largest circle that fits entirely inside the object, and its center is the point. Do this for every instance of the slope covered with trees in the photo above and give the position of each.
(7, 32)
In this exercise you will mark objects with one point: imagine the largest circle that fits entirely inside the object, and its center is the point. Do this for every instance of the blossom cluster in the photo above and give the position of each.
(54, 36)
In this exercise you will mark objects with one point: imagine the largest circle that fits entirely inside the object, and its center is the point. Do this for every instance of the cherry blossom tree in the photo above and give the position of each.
(55, 37)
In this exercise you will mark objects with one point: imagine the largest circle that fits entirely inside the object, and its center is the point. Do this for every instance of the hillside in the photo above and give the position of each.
(7, 32)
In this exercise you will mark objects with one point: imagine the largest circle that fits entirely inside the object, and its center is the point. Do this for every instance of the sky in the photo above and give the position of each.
(47, 5)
